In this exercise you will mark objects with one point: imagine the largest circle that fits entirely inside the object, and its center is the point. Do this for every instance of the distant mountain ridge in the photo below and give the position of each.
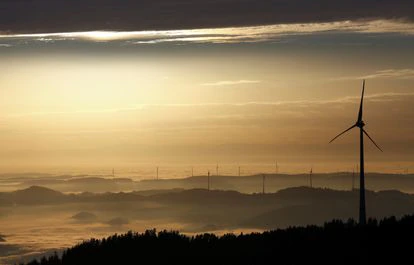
(244, 184)
(225, 209)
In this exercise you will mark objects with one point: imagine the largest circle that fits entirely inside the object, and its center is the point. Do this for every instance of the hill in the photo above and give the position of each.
(336, 242)
(200, 209)
(244, 184)
(84, 217)
(276, 182)
(37, 195)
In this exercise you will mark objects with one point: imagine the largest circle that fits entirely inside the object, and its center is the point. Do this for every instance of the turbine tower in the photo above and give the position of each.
(264, 179)
(276, 168)
(208, 180)
(310, 177)
(360, 124)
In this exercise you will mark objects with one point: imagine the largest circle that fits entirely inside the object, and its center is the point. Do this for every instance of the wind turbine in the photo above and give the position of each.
(264, 179)
(310, 177)
(208, 180)
(360, 124)
(276, 168)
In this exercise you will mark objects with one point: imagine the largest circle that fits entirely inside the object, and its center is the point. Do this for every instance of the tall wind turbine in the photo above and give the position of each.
(360, 124)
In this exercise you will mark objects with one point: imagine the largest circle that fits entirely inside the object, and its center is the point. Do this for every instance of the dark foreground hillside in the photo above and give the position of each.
(388, 241)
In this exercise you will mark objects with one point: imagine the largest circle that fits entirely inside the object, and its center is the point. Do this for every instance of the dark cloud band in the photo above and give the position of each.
(27, 16)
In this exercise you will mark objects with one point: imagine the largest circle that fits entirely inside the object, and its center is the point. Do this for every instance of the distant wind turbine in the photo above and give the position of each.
(360, 124)
(208, 180)
(276, 167)
(157, 173)
(310, 178)
(264, 183)
(113, 172)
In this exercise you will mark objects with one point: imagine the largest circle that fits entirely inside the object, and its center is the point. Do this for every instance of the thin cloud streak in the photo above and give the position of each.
(407, 73)
(392, 73)
(232, 83)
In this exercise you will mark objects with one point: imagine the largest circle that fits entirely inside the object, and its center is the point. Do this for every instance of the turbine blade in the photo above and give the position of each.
(372, 140)
(362, 102)
(353, 126)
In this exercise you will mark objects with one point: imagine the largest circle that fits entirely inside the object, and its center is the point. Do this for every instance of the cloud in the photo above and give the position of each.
(406, 73)
(392, 73)
(41, 15)
(223, 35)
(232, 83)
(2, 45)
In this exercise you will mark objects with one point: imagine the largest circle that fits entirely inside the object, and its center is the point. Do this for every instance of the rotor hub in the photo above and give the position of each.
(360, 124)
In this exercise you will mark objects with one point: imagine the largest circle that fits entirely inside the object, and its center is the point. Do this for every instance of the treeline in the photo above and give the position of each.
(388, 241)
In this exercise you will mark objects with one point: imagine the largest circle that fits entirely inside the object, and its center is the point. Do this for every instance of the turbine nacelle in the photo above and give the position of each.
(360, 124)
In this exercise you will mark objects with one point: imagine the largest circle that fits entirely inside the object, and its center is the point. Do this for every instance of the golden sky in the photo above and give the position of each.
(234, 95)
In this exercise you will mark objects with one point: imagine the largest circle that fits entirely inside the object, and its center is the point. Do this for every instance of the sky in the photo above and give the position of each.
(84, 15)
(96, 84)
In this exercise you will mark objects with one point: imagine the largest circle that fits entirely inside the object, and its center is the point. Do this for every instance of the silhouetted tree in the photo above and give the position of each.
(336, 242)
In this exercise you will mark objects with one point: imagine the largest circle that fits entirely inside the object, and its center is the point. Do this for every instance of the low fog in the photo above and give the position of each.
(36, 219)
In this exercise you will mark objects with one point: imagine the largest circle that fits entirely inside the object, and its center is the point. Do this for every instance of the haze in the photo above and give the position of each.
(250, 96)
(113, 114)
